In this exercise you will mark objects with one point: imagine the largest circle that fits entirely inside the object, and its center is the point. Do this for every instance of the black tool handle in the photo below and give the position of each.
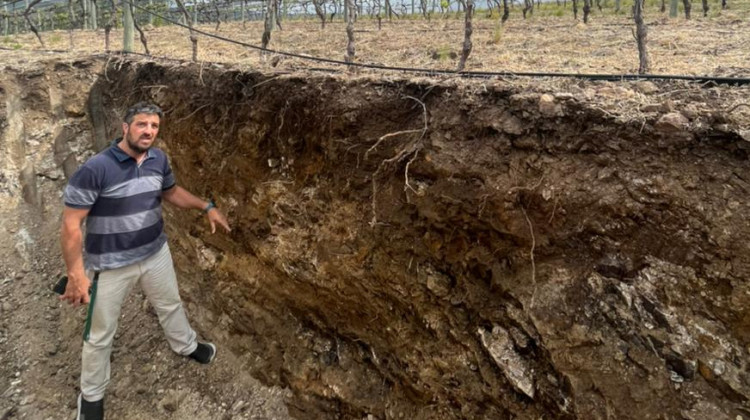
(60, 286)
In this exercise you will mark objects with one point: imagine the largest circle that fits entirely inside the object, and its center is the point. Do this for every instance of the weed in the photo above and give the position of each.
(497, 34)
(443, 53)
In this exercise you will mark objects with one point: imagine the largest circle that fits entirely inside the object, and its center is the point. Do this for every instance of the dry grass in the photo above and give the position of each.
(717, 45)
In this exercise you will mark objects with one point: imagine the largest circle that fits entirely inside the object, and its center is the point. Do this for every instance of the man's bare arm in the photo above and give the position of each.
(182, 198)
(71, 239)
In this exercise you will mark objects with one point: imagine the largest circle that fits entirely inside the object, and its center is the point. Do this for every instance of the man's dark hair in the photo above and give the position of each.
(142, 108)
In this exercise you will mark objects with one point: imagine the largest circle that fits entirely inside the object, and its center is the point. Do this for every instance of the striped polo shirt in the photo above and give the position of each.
(124, 224)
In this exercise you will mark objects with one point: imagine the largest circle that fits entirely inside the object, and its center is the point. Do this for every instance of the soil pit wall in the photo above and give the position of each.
(418, 249)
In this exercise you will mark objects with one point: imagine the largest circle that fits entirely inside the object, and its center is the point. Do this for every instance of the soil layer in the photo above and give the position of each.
(427, 249)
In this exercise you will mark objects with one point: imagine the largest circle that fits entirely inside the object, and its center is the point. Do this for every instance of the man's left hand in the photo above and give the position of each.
(216, 217)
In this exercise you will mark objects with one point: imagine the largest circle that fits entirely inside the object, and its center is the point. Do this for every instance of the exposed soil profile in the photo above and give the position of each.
(401, 248)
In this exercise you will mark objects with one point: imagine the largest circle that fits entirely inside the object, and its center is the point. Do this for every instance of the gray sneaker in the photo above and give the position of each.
(204, 353)
(90, 410)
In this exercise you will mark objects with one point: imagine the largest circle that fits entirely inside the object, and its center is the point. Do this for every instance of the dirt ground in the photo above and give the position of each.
(543, 43)
(402, 248)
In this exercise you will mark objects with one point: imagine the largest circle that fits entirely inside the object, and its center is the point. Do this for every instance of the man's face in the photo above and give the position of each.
(141, 133)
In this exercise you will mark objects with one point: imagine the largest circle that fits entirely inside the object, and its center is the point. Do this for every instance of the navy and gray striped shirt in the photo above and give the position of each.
(124, 224)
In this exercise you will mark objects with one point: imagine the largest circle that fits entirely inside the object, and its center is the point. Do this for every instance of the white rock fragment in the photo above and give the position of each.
(548, 106)
(207, 258)
(646, 87)
(615, 92)
(499, 345)
(672, 123)
(509, 123)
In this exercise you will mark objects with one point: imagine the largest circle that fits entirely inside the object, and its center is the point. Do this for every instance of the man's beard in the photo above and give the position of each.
(134, 145)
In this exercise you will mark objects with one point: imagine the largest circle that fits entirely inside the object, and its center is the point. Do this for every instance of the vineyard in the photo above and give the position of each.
(409, 241)
(549, 40)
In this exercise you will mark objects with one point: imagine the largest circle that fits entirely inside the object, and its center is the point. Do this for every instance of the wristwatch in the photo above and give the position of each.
(211, 205)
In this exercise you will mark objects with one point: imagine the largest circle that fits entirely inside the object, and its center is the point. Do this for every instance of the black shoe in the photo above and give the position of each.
(204, 353)
(90, 410)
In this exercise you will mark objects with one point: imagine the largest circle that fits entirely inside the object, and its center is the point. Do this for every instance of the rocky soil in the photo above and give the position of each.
(416, 249)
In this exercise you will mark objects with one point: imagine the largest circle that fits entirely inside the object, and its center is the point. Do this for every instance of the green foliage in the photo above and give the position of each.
(548, 9)
(160, 9)
(61, 20)
(443, 53)
(497, 34)
(7, 40)
(16, 46)
(55, 39)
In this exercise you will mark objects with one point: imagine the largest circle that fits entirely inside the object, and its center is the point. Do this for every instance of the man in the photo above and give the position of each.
(119, 192)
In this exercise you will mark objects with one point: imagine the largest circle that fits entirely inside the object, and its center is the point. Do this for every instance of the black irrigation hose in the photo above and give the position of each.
(467, 74)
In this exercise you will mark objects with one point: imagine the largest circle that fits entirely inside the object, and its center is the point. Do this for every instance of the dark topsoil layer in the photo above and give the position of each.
(439, 249)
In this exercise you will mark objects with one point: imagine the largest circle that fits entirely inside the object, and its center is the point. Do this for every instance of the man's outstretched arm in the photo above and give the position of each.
(182, 198)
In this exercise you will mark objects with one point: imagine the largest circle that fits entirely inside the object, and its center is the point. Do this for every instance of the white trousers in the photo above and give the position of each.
(159, 283)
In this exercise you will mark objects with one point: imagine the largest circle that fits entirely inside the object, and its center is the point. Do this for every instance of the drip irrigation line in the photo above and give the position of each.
(464, 74)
